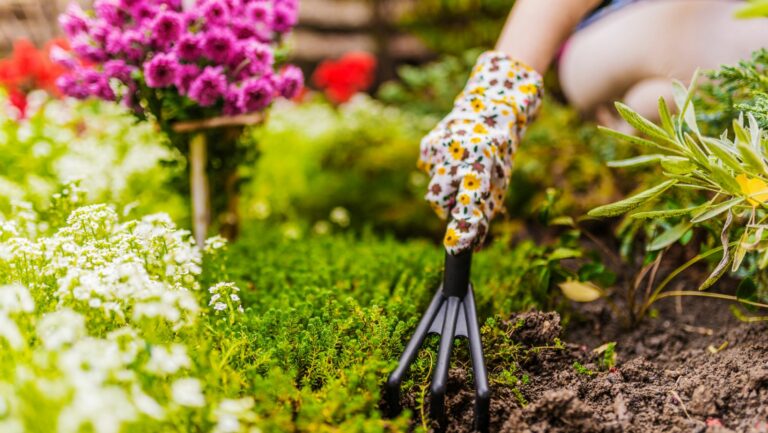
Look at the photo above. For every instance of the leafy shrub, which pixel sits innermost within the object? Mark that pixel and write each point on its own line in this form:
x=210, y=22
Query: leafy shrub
x=724, y=178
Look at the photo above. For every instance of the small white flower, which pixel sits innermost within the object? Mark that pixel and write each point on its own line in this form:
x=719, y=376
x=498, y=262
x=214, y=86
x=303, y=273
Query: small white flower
x=234, y=297
x=214, y=298
x=168, y=361
x=10, y=332
x=15, y=298
x=60, y=327
x=340, y=216
x=188, y=392
x=220, y=306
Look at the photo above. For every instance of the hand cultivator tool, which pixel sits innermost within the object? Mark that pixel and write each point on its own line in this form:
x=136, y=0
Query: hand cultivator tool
x=451, y=314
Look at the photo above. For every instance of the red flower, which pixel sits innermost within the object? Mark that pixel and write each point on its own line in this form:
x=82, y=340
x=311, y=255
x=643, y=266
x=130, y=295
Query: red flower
x=29, y=68
x=341, y=79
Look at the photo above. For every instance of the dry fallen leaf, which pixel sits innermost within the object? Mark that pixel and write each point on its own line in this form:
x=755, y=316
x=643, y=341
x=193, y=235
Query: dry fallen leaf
x=580, y=291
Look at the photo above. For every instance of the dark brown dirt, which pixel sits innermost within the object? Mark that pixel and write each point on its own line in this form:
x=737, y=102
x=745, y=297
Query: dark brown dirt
x=669, y=377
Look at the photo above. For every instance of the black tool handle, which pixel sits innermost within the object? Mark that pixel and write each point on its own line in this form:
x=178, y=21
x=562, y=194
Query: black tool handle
x=456, y=274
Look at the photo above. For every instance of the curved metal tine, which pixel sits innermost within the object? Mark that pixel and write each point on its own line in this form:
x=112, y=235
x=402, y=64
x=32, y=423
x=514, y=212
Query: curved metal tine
x=392, y=389
x=482, y=390
x=440, y=377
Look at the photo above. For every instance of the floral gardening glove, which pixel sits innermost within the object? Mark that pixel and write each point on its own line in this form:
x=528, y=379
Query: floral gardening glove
x=469, y=153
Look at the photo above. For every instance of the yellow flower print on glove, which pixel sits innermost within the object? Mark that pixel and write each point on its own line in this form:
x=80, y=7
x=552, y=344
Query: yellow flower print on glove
x=469, y=154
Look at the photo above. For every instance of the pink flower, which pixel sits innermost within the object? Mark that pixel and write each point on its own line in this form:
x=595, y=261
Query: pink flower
x=218, y=44
x=161, y=70
x=215, y=12
x=188, y=47
x=74, y=21
x=185, y=75
x=255, y=95
x=208, y=87
x=290, y=82
x=166, y=28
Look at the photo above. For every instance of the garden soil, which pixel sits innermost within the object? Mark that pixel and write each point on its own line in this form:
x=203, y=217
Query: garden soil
x=693, y=368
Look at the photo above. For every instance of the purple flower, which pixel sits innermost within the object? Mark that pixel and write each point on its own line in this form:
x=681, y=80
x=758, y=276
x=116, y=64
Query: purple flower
x=243, y=29
x=86, y=48
x=62, y=57
x=143, y=11
x=208, y=87
x=189, y=18
x=160, y=71
x=215, y=12
x=217, y=44
x=285, y=17
x=110, y=12
x=134, y=44
x=255, y=95
x=97, y=84
x=188, y=47
x=185, y=75
x=260, y=58
x=70, y=86
x=290, y=81
x=259, y=13
x=130, y=4
x=231, y=106
x=74, y=21
x=118, y=69
x=166, y=28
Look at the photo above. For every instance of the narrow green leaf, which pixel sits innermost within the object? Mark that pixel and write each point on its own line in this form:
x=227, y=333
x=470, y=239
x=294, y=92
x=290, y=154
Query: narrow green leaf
x=715, y=210
x=751, y=158
x=722, y=152
x=642, y=124
x=740, y=251
x=669, y=237
x=754, y=132
x=637, y=140
x=654, y=214
x=632, y=202
x=683, y=99
x=741, y=134
x=666, y=118
x=634, y=162
x=721, y=267
x=694, y=151
x=724, y=179
x=677, y=165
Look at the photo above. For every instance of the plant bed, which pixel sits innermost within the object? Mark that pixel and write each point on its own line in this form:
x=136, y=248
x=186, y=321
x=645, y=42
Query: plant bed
x=674, y=373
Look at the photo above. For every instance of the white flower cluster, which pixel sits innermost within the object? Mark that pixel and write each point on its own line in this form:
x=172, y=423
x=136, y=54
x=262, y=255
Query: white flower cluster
x=88, y=319
x=224, y=297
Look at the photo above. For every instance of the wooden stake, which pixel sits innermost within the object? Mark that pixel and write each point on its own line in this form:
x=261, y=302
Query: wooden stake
x=198, y=183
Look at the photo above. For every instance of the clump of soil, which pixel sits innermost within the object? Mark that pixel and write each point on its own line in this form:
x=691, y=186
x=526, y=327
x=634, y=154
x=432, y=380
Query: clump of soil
x=692, y=369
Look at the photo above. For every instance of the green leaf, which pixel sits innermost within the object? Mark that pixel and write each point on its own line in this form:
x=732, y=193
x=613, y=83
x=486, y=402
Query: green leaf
x=713, y=211
x=678, y=165
x=634, y=162
x=750, y=157
x=724, y=179
x=626, y=205
x=637, y=140
x=643, y=125
x=721, y=267
x=669, y=237
x=723, y=153
x=683, y=101
x=755, y=9
x=666, y=118
x=740, y=252
x=654, y=214
x=578, y=291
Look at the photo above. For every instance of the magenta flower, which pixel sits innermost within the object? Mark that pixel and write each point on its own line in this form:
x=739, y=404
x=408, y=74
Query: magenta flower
x=160, y=71
x=207, y=88
x=166, y=28
x=118, y=69
x=134, y=45
x=185, y=75
x=215, y=12
x=260, y=12
x=231, y=98
x=74, y=21
x=70, y=86
x=260, y=58
x=97, y=84
x=88, y=49
x=290, y=82
x=285, y=17
x=110, y=12
x=217, y=44
x=243, y=29
x=143, y=12
x=255, y=95
x=188, y=47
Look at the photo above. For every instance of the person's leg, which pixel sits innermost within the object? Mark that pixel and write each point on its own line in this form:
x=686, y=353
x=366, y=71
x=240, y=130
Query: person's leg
x=633, y=54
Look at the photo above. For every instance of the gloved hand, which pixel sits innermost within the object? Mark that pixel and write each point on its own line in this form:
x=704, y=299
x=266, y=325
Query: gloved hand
x=469, y=153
